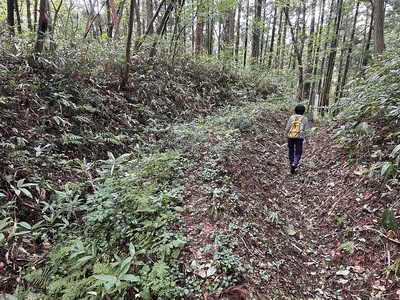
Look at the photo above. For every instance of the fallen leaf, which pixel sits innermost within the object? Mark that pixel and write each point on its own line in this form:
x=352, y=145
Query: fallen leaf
x=358, y=269
x=343, y=272
x=343, y=281
x=290, y=230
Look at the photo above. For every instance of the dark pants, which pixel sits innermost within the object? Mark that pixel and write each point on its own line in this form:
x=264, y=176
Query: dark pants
x=295, y=149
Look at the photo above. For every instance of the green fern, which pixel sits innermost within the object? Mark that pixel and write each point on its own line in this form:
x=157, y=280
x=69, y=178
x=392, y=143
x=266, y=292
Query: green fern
x=83, y=119
x=69, y=138
x=40, y=277
x=18, y=156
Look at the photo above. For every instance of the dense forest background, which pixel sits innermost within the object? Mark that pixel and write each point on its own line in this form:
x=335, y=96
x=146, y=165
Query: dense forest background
x=328, y=43
x=142, y=149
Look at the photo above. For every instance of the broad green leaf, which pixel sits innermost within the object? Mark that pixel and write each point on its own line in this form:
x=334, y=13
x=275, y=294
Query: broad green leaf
x=22, y=232
x=84, y=259
x=175, y=254
x=21, y=183
x=145, y=294
x=3, y=223
x=8, y=297
x=25, y=225
x=132, y=250
x=105, y=277
x=386, y=169
x=131, y=278
x=26, y=192
x=213, y=213
x=395, y=150
x=389, y=221
x=126, y=264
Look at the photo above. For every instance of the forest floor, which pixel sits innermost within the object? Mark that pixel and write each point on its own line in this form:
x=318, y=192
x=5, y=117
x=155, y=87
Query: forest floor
x=316, y=234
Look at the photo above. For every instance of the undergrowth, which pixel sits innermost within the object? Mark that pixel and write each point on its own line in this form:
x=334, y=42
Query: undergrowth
x=372, y=111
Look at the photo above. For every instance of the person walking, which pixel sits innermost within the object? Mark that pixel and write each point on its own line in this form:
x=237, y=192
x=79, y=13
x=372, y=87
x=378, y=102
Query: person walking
x=296, y=132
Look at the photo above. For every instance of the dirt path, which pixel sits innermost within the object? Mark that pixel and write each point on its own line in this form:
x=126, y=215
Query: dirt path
x=312, y=235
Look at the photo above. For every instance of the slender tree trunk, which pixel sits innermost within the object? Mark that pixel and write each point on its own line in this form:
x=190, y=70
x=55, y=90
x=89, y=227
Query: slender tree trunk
x=231, y=32
x=332, y=56
x=349, y=51
x=150, y=15
x=10, y=16
x=246, y=36
x=237, y=38
x=162, y=26
x=19, y=27
x=262, y=34
x=379, y=17
x=340, y=67
x=199, y=29
x=35, y=14
x=282, y=49
x=310, y=51
x=125, y=75
x=255, y=49
x=367, y=52
x=44, y=25
x=138, y=20
x=114, y=18
x=209, y=35
x=29, y=15
x=271, y=47
x=298, y=54
x=316, y=53
x=150, y=26
x=110, y=26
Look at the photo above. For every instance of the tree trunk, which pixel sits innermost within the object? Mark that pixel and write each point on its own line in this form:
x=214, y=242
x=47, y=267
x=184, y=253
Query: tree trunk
x=114, y=18
x=150, y=26
x=310, y=51
x=246, y=36
x=125, y=75
x=138, y=20
x=10, y=16
x=109, y=20
x=29, y=15
x=271, y=47
x=315, y=88
x=366, y=52
x=44, y=25
x=331, y=58
x=298, y=53
x=255, y=48
x=209, y=35
x=149, y=16
x=349, y=51
x=379, y=17
x=199, y=29
x=237, y=38
x=19, y=27
x=162, y=26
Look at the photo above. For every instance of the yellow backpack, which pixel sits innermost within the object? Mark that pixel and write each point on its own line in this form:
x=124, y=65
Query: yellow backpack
x=296, y=128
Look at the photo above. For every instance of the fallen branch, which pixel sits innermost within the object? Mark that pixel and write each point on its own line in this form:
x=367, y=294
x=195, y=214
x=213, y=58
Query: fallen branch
x=378, y=232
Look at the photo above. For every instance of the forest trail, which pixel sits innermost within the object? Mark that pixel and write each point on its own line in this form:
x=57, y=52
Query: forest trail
x=311, y=235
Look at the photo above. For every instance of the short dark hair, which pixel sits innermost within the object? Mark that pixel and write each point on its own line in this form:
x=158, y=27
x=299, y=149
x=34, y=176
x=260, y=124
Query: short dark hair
x=299, y=109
